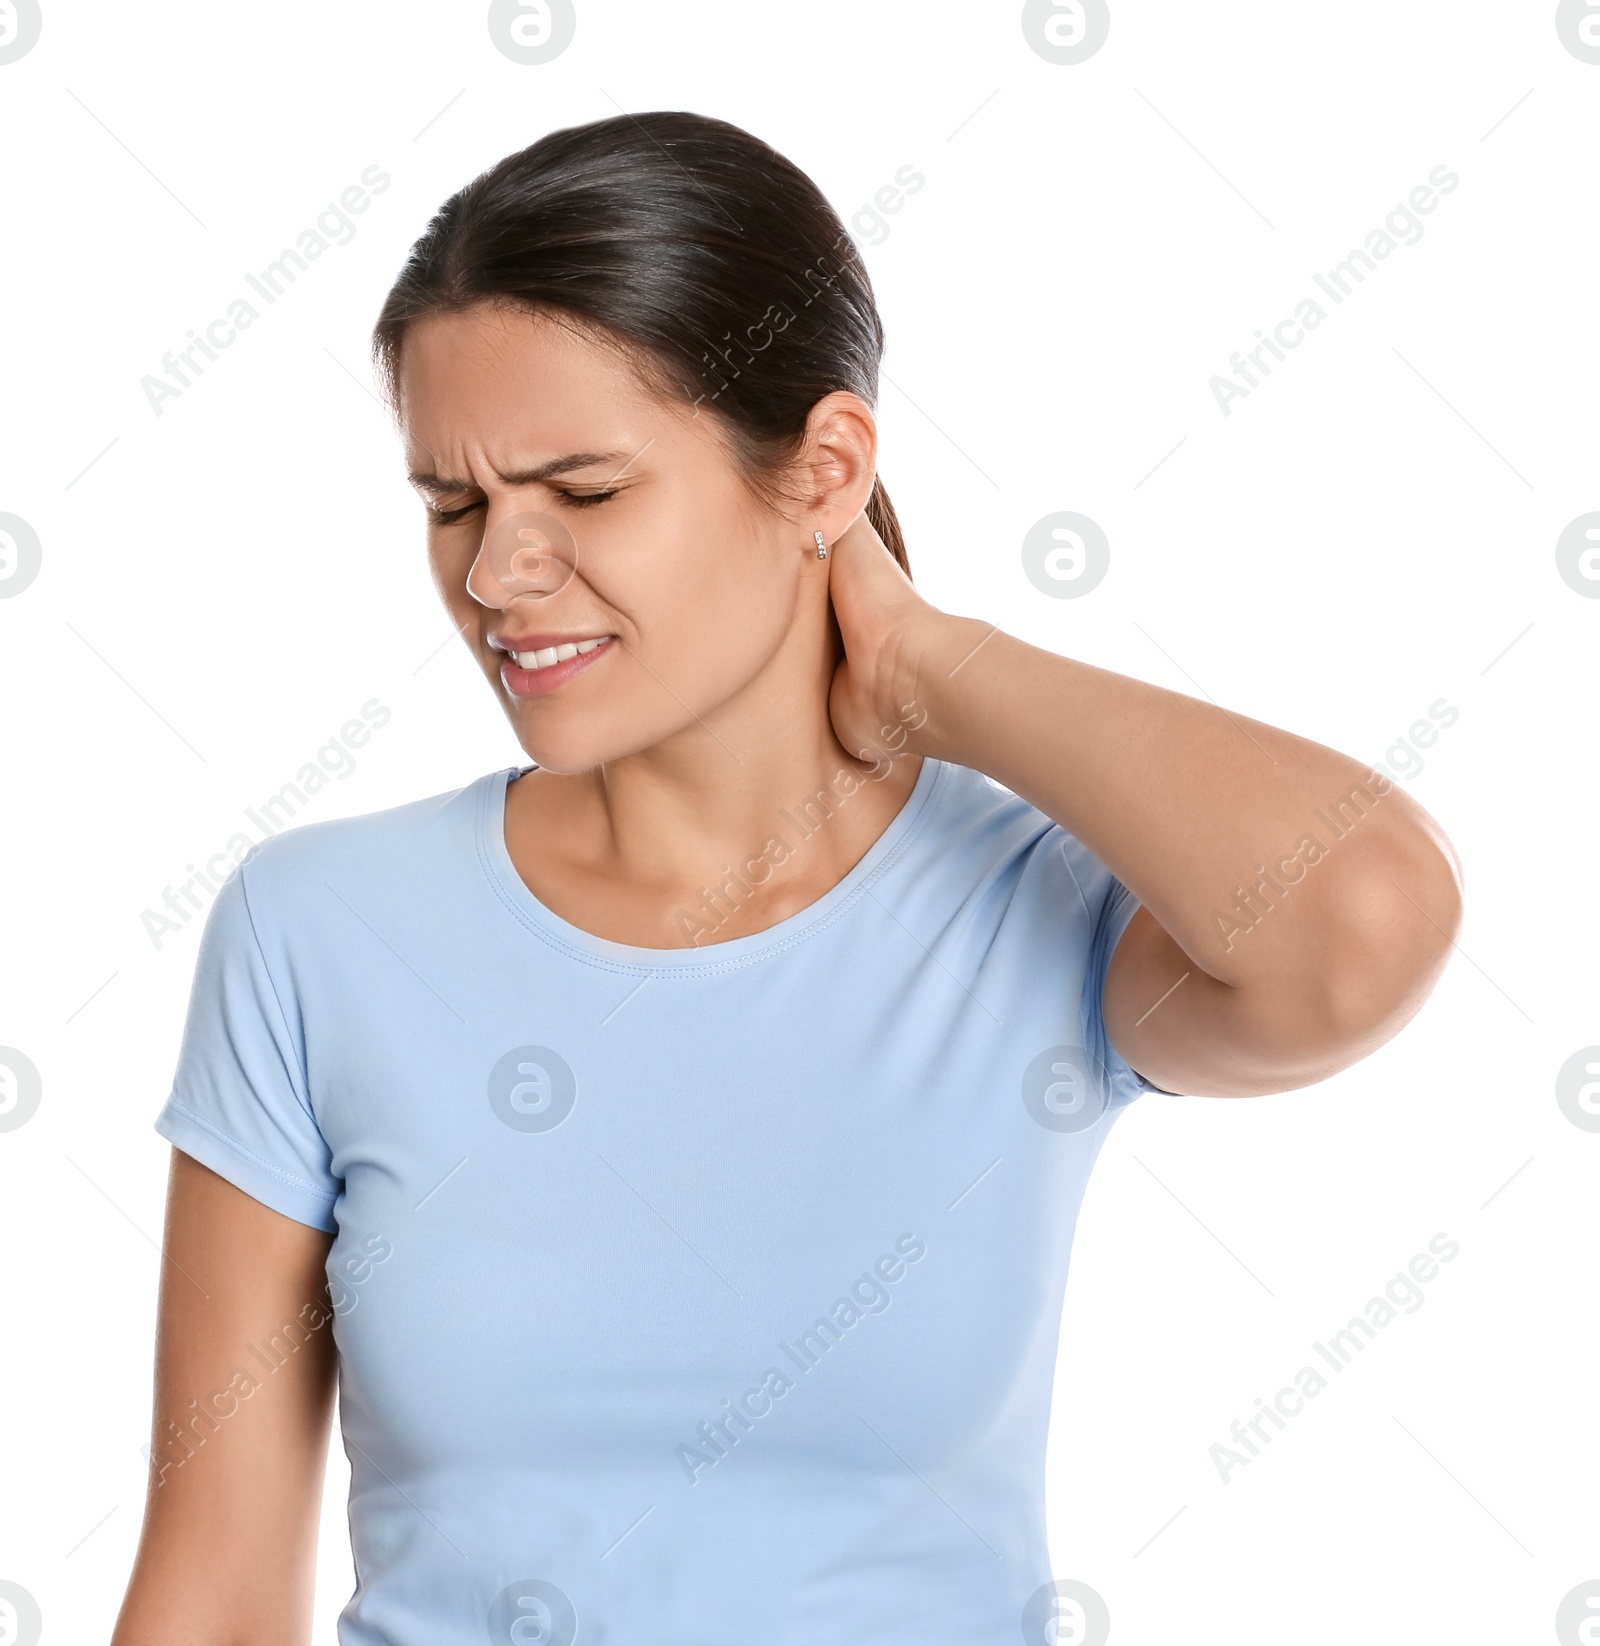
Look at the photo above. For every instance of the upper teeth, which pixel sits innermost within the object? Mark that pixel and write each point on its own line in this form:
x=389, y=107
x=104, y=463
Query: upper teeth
x=546, y=655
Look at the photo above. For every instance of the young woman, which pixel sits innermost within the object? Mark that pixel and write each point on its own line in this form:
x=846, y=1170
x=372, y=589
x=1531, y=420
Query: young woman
x=676, y=1143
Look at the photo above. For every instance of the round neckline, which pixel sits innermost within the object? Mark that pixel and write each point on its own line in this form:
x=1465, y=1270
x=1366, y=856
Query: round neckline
x=515, y=893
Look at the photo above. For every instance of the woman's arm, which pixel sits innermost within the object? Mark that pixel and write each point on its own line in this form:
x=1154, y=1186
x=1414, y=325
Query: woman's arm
x=1297, y=907
x=244, y=1390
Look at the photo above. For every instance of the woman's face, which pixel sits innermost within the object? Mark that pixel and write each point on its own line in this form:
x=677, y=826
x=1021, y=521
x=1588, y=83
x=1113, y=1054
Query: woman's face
x=569, y=507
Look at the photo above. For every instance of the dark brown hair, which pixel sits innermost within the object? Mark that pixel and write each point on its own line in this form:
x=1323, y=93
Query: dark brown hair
x=712, y=260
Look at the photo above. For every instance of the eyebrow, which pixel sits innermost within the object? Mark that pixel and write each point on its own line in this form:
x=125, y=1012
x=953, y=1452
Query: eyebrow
x=426, y=481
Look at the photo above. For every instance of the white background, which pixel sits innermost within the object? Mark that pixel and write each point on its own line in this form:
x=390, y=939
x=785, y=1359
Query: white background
x=1370, y=531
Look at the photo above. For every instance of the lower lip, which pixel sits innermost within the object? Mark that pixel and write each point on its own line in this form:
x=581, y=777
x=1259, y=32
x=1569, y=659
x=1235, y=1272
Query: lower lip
x=522, y=682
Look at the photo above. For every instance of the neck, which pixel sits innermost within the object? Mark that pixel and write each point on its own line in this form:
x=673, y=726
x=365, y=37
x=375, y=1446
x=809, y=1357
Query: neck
x=759, y=790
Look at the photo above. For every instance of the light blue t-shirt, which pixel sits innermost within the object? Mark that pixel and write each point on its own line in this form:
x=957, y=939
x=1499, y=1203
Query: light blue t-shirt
x=704, y=1296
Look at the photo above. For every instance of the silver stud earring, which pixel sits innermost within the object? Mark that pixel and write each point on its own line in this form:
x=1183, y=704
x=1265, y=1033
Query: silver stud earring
x=822, y=548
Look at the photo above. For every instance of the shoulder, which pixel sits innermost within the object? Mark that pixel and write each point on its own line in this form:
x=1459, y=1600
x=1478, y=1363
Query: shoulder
x=983, y=833
x=386, y=848
x=973, y=813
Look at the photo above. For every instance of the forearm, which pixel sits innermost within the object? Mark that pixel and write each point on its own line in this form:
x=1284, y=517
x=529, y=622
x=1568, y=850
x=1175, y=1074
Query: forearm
x=227, y=1556
x=1213, y=820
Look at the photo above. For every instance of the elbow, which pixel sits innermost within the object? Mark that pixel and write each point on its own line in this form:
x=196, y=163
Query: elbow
x=1397, y=926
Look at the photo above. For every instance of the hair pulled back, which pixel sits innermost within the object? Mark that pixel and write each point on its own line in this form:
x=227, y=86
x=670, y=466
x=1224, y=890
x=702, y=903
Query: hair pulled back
x=714, y=261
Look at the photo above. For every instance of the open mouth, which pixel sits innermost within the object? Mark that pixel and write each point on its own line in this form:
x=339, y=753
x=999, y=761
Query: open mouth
x=537, y=664
x=545, y=656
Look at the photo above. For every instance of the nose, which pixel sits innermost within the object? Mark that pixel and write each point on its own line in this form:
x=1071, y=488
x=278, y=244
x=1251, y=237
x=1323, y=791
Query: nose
x=524, y=555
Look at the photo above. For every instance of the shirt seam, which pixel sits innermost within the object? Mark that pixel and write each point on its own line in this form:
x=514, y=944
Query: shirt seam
x=710, y=968
x=273, y=1171
x=277, y=1000
x=1066, y=858
x=1109, y=1073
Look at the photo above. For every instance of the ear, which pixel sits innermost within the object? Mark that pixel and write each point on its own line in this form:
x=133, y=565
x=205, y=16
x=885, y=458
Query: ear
x=838, y=461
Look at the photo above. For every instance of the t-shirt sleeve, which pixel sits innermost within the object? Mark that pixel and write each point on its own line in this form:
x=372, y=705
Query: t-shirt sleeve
x=1112, y=905
x=239, y=1102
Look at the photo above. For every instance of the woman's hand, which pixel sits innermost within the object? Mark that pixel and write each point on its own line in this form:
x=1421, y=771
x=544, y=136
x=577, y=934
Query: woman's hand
x=886, y=626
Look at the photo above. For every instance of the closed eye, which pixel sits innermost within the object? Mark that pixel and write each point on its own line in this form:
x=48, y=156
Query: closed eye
x=579, y=500
x=448, y=517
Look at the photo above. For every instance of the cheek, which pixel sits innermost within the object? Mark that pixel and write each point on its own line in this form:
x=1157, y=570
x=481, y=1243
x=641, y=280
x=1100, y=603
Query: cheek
x=740, y=607
x=704, y=587
x=450, y=556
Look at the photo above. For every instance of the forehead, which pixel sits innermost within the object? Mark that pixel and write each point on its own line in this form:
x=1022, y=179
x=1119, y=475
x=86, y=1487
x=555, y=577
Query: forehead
x=490, y=378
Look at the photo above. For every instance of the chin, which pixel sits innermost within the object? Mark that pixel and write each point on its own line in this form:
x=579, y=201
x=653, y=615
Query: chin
x=567, y=744
x=564, y=756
